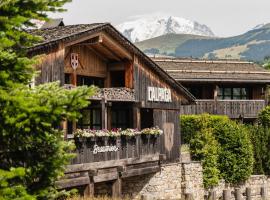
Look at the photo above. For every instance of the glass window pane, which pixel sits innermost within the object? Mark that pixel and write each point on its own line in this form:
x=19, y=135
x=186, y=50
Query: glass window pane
x=227, y=93
x=236, y=91
x=96, y=116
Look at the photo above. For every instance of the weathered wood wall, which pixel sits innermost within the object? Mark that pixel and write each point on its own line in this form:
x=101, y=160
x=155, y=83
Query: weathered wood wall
x=170, y=141
x=51, y=67
x=90, y=64
x=143, y=78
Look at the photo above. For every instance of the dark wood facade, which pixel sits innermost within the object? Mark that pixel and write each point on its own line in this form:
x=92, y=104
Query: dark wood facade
x=233, y=88
x=108, y=60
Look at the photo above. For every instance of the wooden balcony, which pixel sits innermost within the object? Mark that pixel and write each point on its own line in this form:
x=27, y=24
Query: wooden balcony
x=232, y=108
x=125, y=147
x=103, y=159
x=111, y=94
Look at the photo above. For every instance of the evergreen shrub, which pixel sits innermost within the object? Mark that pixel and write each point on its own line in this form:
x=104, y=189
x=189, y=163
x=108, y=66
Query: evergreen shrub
x=222, y=145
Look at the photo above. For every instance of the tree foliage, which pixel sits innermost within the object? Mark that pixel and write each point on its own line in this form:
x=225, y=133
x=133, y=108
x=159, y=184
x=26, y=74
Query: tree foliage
x=260, y=137
x=33, y=152
x=204, y=147
x=223, y=146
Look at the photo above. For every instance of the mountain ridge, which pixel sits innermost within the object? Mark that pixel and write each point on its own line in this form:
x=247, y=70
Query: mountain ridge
x=254, y=45
x=151, y=26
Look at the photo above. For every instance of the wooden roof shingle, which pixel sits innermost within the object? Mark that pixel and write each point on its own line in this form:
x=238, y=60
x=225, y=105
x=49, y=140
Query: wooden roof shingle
x=190, y=70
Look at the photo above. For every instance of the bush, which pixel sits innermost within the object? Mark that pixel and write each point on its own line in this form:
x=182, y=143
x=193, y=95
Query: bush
x=236, y=152
x=221, y=144
x=204, y=148
x=260, y=137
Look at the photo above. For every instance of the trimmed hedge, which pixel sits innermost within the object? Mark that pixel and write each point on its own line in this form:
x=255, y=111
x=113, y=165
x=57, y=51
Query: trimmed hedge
x=221, y=144
x=260, y=137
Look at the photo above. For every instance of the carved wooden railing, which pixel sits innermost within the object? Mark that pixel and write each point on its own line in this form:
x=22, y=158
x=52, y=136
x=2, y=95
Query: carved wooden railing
x=111, y=94
x=231, y=108
x=99, y=149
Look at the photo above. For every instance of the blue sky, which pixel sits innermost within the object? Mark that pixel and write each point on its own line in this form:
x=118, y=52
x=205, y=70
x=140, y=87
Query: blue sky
x=224, y=17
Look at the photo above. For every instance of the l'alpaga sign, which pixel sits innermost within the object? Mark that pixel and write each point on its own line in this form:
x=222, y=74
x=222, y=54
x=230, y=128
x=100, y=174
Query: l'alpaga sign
x=157, y=94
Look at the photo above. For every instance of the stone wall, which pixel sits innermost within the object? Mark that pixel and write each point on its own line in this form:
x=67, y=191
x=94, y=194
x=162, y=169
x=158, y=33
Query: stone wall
x=165, y=184
x=185, y=181
x=192, y=180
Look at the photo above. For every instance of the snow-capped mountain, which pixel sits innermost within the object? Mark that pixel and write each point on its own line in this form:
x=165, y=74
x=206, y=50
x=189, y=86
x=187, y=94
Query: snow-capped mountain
x=146, y=27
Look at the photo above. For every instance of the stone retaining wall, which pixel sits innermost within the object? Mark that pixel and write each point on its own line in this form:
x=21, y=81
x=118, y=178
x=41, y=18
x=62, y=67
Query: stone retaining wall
x=185, y=181
x=165, y=184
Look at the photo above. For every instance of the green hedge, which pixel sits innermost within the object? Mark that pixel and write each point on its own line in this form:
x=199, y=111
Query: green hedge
x=223, y=146
x=260, y=137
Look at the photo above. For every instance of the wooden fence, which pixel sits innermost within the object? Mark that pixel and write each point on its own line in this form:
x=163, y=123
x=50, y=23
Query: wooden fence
x=231, y=108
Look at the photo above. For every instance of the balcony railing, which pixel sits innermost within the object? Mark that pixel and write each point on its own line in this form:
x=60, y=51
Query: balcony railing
x=231, y=108
x=111, y=94
x=100, y=149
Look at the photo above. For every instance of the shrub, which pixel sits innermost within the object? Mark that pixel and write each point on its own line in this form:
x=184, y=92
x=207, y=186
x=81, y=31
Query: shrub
x=260, y=137
x=221, y=144
x=204, y=148
x=236, y=152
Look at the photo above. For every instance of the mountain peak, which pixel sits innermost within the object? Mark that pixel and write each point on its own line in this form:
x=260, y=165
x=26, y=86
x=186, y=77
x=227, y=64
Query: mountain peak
x=150, y=26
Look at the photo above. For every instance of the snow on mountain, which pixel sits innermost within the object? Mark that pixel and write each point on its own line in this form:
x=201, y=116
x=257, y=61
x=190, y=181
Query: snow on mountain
x=259, y=26
x=146, y=27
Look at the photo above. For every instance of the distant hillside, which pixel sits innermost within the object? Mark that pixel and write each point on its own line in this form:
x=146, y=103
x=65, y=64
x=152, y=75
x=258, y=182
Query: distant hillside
x=253, y=45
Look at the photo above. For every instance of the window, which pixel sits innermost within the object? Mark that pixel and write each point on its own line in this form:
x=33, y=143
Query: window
x=233, y=93
x=86, y=80
x=67, y=79
x=91, y=119
x=121, y=118
x=118, y=79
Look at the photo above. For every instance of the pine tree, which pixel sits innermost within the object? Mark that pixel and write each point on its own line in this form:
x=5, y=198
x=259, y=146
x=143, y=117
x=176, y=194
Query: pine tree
x=33, y=152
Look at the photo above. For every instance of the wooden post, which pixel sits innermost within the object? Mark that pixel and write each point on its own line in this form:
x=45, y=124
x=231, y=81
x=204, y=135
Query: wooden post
x=226, y=194
x=248, y=193
x=188, y=196
x=89, y=190
x=117, y=188
x=104, y=114
x=136, y=118
x=74, y=78
x=238, y=195
x=215, y=98
x=264, y=193
x=212, y=195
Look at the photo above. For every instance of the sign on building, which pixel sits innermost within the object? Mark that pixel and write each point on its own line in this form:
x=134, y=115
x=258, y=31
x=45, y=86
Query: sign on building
x=157, y=94
x=74, y=60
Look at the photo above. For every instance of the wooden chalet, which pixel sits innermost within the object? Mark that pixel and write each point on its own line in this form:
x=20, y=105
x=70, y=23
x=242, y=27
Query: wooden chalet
x=134, y=93
x=222, y=87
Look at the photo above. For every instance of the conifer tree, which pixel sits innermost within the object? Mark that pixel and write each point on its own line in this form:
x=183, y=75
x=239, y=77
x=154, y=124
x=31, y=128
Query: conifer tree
x=33, y=152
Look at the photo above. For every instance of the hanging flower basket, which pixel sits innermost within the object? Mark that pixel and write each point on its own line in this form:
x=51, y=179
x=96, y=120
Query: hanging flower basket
x=89, y=133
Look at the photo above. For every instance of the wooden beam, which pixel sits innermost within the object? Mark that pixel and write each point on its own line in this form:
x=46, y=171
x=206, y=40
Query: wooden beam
x=89, y=190
x=69, y=183
x=104, y=118
x=81, y=39
x=117, y=188
x=109, y=40
x=111, y=51
x=111, y=163
x=105, y=177
x=141, y=171
x=129, y=80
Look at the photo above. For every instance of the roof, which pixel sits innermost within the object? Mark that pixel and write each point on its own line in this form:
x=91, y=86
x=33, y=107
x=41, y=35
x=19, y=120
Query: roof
x=191, y=70
x=53, y=23
x=52, y=36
